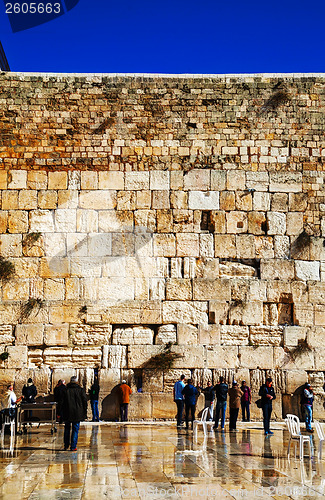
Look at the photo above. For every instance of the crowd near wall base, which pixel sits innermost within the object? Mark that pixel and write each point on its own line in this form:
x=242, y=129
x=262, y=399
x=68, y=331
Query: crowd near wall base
x=148, y=219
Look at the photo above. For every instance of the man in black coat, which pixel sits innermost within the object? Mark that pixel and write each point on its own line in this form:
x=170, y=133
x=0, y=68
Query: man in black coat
x=74, y=409
x=267, y=394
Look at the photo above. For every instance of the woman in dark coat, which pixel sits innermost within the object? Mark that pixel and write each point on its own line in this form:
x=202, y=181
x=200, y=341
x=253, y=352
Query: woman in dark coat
x=74, y=409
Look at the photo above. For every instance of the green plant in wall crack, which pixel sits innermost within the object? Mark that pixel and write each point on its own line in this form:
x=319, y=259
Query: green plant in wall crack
x=4, y=355
x=164, y=360
x=302, y=348
x=7, y=270
x=31, y=238
x=31, y=305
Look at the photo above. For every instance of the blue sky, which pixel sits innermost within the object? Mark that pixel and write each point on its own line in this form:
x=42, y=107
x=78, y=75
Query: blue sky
x=173, y=36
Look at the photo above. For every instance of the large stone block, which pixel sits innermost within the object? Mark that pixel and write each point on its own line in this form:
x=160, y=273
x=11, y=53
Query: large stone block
x=277, y=269
x=246, y=313
x=56, y=335
x=6, y=334
x=140, y=406
x=276, y=223
x=307, y=271
x=254, y=356
x=285, y=182
x=293, y=334
x=203, y=200
x=166, y=334
x=87, y=356
x=315, y=336
x=209, y=335
x=81, y=334
x=29, y=334
x=114, y=356
x=185, y=312
x=57, y=357
x=178, y=289
x=225, y=246
x=133, y=335
x=294, y=358
x=222, y=357
x=17, y=356
x=211, y=289
x=139, y=356
x=97, y=200
x=266, y=335
x=303, y=315
x=294, y=380
x=152, y=381
x=187, y=334
x=234, y=335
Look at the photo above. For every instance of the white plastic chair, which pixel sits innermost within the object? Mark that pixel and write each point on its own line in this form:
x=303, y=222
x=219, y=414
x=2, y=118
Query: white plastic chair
x=204, y=422
x=321, y=437
x=8, y=419
x=293, y=425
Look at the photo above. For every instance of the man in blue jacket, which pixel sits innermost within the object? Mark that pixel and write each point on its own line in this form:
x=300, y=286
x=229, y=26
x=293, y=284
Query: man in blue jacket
x=221, y=391
x=179, y=399
x=190, y=392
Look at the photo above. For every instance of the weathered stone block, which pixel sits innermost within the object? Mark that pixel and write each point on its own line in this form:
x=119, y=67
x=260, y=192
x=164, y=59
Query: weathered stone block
x=285, y=182
x=57, y=357
x=264, y=247
x=227, y=202
x=307, y=271
x=294, y=358
x=266, y=335
x=245, y=245
x=292, y=335
x=315, y=337
x=97, y=200
x=187, y=334
x=133, y=335
x=222, y=357
x=136, y=180
x=197, y=180
x=187, y=244
x=237, y=222
x=303, y=314
x=138, y=356
x=90, y=334
x=234, y=335
x=184, y=312
x=276, y=223
x=171, y=376
x=279, y=202
x=140, y=407
x=256, y=222
x=258, y=181
x=6, y=334
x=178, y=289
x=218, y=312
x=260, y=356
x=295, y=223
x=17, y=356
x=111, y=180
x=209, y=335
x=203, y=200
x=29, y=334
x=152, y=381
x=56, y=335
x=166, y=334
x=114, y=356
x=87, y=356
x=10, y=245
x=294, y=380
x=225, y=246
x=277, y=269
x=207, y=289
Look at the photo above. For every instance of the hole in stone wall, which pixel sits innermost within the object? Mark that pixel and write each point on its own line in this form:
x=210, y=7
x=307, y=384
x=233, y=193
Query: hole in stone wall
x=285, y=312
x=207, y=223
x=138, y=376
x=240, y=225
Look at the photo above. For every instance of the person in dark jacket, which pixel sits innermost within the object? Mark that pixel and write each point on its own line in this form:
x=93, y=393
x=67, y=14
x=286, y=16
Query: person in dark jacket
x=93, y=396
x=58, y=392
x=74, y=409
x=209, y=397
x=267, y=394
x=307, y=400
x=189, y=392
x=29, y=392
x=221, y=391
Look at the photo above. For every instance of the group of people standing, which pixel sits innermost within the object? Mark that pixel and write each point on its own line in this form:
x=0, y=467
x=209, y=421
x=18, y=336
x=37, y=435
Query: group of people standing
x=238, y=397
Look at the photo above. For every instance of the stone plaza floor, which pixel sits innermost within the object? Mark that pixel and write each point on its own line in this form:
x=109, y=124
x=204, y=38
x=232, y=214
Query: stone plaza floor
x=155, y=461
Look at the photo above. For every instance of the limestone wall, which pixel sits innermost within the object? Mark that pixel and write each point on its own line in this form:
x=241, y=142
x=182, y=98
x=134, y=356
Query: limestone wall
x=141, y=211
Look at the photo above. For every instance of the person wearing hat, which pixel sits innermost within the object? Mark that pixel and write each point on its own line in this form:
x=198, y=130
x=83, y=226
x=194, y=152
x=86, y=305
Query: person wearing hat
x=29, y=394
x=74, y=409
x=235, y=395
x=307, y=405
x=246, y=400
x=124, y=392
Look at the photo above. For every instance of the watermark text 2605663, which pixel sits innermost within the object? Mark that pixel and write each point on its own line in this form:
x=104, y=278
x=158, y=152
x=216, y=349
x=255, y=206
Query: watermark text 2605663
x=33, y=8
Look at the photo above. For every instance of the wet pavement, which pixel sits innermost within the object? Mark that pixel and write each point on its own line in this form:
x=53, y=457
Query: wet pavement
x=155, y=461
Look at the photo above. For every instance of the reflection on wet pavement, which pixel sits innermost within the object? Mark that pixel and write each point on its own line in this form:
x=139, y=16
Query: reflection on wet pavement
x=157, y=461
